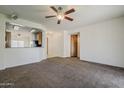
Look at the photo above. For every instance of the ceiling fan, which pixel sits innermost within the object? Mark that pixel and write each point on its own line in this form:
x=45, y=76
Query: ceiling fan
x=60, y=14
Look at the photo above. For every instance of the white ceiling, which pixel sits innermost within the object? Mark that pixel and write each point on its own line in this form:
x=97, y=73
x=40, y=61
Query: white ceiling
x=84, y=15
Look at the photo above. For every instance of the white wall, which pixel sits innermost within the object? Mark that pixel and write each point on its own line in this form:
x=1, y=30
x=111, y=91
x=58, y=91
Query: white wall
x=55, y=43
x=67, y=43
x=102, y=42
x=18, y=56
x=21, y=56
x=1, y=59
x=2, y=41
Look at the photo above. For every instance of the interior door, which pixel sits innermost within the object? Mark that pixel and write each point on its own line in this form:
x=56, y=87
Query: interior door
x=74, y=45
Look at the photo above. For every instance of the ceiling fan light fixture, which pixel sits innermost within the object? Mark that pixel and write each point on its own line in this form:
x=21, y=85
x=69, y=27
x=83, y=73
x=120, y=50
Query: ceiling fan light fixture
x=61, y=14
x=60, y=17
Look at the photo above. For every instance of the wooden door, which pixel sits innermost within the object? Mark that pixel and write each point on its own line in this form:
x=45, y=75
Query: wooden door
x=74, y=45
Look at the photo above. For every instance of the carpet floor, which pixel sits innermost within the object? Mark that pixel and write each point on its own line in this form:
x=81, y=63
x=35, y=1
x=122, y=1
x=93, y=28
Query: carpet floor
x=62, y=73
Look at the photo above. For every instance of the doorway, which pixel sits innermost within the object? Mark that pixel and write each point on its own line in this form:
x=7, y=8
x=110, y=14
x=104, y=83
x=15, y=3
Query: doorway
x=75, y=45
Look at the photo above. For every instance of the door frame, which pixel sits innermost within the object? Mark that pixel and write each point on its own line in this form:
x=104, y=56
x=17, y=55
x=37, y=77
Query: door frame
x=78, y=43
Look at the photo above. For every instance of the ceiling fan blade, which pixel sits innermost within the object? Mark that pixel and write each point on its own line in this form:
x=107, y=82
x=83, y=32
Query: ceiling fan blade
x=69, y=11
x=69, y=18
x=50, y=16
x=54, y=9
x=58, y=21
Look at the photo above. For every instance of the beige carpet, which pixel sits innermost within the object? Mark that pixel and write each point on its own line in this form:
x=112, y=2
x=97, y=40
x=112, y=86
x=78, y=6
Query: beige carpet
x=62, y=72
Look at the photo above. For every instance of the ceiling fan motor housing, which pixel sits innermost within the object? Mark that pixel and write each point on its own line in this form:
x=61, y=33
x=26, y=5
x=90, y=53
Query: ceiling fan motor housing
x=59, y=8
